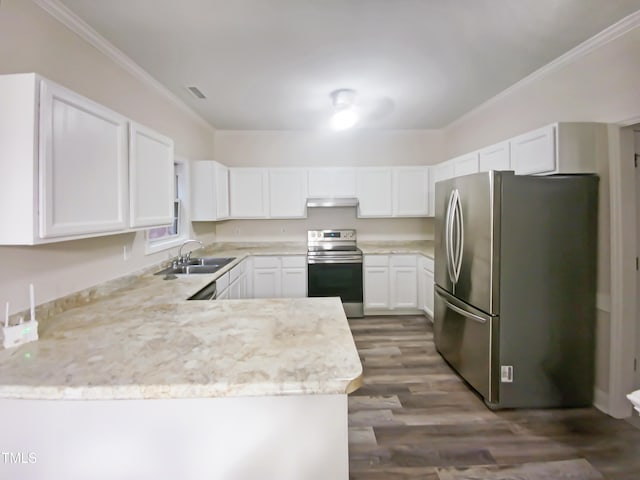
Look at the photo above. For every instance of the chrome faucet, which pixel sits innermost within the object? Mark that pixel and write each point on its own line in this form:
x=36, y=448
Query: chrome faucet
x=184, y=259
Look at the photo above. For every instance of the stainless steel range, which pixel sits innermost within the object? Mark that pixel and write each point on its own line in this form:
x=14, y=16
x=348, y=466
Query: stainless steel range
x=334, y=268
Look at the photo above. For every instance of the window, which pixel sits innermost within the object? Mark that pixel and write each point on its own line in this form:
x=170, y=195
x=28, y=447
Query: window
x=162, y=238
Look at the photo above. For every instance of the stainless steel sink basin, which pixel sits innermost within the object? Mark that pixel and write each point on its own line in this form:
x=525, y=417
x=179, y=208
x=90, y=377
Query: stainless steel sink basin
x=198, y=265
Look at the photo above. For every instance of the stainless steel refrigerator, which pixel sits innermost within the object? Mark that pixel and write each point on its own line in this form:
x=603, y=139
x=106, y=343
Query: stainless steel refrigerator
x=515, y=274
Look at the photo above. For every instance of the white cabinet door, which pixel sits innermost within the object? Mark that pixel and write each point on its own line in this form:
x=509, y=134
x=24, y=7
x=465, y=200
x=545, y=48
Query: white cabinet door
x=332, y=182
x=83, y=165
x=209, y=191
x=534, y=152
x=376, y=288
x=248, y=191
x=221, y=176
x=266, y=282
x=374, y=192
x=411, y=191
x=287, y=192
x=152, y=180
x=495, y=157
x=441, y=171
x=404, y=281
x=294, y=282
x=376, y=282
x=465, y=164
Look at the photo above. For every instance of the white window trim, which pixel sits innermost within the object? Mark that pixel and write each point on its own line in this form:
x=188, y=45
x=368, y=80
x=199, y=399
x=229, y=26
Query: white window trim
x=183, y=216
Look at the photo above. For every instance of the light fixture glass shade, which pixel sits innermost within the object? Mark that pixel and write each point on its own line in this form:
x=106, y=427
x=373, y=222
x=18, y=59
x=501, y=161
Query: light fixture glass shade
x=345, y=115
x=343, y=119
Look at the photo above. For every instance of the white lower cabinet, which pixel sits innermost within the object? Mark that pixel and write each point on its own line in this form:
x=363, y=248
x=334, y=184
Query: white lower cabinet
x=275, y=277
x=425, y=285
x=390, y=283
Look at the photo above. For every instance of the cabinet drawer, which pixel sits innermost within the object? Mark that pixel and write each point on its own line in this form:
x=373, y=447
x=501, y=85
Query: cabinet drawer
x=222, y=283
x=266, y=262
x=376, y=260
x=403, y=261
x=294, y=261
x=426, y=263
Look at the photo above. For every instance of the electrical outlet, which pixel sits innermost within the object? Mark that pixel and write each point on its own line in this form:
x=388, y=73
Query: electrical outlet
x=126, y=253
x=237, y=231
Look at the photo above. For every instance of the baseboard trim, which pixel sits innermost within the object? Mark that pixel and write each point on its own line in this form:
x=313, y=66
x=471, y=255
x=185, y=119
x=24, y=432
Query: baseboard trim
x=601, y=400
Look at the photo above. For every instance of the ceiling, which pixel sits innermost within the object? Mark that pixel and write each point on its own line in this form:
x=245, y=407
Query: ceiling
x=416, y=64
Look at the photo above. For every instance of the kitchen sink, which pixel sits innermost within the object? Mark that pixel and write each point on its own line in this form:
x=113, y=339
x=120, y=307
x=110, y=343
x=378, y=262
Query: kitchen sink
x=198, y=265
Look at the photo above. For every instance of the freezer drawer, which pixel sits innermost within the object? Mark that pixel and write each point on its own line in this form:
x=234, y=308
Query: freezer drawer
x=467, y=339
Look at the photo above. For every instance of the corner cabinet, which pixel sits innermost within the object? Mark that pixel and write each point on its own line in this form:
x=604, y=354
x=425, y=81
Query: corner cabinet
x=209, y=191
x=151, y=178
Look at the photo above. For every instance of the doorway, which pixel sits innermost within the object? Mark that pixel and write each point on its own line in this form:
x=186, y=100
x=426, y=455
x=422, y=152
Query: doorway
x=636, y=135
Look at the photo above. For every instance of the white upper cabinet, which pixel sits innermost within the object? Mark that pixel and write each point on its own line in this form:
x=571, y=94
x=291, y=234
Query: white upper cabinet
x=64, y=160
x=83, y=165
x=411, y=191
x=287, y=192
x=332, y=182
x=495, y=157
x=439, y=172
x=465, y=164
x=209, y=191
x=374, y=192
x=151, y=177
x=534, y=152
x=249, y=192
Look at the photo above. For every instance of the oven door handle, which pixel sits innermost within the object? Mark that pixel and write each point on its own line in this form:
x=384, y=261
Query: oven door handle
x=316, y=261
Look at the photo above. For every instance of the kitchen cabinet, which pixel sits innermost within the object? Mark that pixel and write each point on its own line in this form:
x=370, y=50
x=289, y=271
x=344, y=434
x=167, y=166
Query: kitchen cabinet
x=376, y=282
x=332, y=182
x=267, y=281
x=287, y=192
x=425, y=285
x=410, y=191
x=495, y=157
x=465, y=164
x=404, y=282
x=238, y=281
x=249, y=192
x=209, y=191
x=284, y=276
x=534, y=152
x=390, y=283
x=294, y=276
x=374, y=191
x=152, y=180
x=566, y=147
x=50, y=137
x=439, y=172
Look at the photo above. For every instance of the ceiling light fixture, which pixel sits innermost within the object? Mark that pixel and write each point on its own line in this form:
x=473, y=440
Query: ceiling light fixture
x=345, y=115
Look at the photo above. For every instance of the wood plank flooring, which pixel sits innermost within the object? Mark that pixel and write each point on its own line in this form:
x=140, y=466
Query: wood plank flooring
x=414, y=418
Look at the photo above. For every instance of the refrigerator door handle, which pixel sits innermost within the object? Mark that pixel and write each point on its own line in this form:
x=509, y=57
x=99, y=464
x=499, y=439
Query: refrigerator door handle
x=448, y=238
x=459, y=236
x=460, y=310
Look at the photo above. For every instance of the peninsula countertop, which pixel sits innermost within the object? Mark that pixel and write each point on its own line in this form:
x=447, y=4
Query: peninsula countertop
x=145, y=340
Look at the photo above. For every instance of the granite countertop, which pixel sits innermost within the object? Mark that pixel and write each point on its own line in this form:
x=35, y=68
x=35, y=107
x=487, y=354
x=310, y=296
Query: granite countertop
x=147, y=341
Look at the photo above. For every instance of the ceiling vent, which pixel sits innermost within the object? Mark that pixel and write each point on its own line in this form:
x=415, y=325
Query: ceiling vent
x=195, y=91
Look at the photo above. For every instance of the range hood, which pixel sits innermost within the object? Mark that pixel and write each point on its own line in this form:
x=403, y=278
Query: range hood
x=332, y=202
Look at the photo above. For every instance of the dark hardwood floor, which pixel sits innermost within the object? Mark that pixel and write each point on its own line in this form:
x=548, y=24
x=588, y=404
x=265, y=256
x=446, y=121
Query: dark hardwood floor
x=414, y=418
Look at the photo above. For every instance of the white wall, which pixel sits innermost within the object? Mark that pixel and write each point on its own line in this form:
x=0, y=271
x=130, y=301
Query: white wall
x=601, y=85
x=328, y=148
x=33, y=41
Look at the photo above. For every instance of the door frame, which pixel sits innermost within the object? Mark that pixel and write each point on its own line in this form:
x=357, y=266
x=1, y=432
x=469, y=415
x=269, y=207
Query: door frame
x=624, y=308
x=636, y=135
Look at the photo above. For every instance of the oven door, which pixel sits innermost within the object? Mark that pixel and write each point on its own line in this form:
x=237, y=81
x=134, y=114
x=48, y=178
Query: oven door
x=342, y=280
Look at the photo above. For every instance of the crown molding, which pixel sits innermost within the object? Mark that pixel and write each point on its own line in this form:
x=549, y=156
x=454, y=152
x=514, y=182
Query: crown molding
x=607, y=35
x=69, y=19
